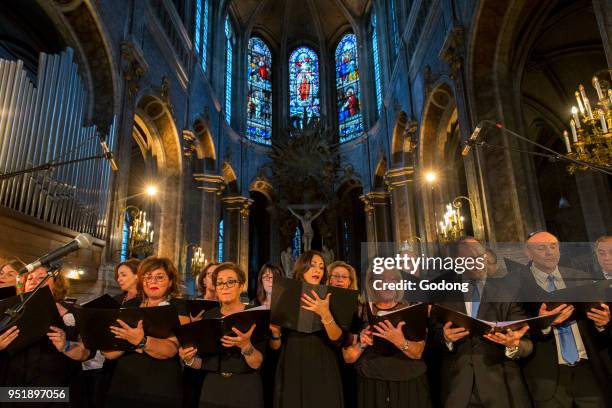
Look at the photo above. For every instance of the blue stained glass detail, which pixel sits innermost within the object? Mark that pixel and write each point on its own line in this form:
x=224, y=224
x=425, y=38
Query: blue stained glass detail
x=200, y=35
x=394, y=29
x=220, y=242
x=228, y=70
x=376, y=57
x=350, y=123
x=296, y=243
x=304, y=83
x=259, y=96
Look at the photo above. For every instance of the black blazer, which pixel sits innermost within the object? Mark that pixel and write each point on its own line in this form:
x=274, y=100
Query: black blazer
x=477, y=360
x=541, y=368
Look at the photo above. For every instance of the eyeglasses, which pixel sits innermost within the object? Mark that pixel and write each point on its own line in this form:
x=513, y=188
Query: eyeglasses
x=229, y=284
x=340, y=277
x=154, y=278
x=267, y=277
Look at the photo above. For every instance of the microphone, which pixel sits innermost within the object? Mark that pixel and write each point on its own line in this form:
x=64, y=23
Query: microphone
x=470, y=142
x=82, y=241
x=109, y=155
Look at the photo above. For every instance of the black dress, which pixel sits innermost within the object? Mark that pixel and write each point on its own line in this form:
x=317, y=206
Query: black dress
x=140, y=380
x=40, y=365
x=307, y=375
x=268, y=368
x=230, y=382
x=391, y=380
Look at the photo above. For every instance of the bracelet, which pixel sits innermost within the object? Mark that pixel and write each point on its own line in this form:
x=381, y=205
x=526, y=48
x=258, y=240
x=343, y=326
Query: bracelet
x=190, y=363
x=142, y=343
x=67, y=346
x=275, y=337
x=405, y=346
x=330, y=321
x=248, y=351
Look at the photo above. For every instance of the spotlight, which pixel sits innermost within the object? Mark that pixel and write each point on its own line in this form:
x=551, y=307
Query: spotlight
x=151, y=190
x=430, y=177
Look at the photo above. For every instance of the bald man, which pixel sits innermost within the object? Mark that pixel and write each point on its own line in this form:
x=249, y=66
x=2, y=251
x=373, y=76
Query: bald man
x=564, y=370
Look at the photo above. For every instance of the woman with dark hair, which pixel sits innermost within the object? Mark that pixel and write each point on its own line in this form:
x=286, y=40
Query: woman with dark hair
x=50, y=362
x=307, y=374
x=265, y=278
x=127, y=278
x=205, y=283
x=151, y=374
x=232, y=379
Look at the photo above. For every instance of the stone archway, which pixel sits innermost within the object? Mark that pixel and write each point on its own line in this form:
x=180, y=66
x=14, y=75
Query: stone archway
x=402, y=143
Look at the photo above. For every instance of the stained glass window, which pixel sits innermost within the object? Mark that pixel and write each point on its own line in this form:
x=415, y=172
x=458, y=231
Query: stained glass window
x=394, y=29
x=229, y=49
x=200, y=36
x=376, y=57
x=304, y=83
x=296, y=243
x=259, y=93
x=220, y=242
x=350, y=123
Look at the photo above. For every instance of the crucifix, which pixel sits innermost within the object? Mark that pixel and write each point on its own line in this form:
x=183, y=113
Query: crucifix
x=306, y=219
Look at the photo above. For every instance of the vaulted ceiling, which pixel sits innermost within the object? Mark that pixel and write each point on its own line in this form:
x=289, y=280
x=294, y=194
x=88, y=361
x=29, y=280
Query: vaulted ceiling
x=287, y=22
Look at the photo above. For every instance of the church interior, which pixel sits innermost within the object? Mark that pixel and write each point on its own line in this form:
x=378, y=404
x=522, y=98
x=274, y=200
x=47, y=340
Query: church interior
x=251, y=130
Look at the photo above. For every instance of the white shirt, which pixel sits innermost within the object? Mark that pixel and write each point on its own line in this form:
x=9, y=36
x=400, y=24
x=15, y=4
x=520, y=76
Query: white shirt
x=542, y=281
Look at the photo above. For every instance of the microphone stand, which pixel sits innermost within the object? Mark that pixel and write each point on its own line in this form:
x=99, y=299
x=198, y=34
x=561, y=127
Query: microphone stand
x=50, y=166
x=11, y=313
x=553, y=155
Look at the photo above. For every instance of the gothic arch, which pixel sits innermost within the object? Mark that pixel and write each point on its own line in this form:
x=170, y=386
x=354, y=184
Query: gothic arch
x=155, y=131
x=401, y=143
x=264, y=187
x=378, y=184
x=229, y=176
x=205, y=146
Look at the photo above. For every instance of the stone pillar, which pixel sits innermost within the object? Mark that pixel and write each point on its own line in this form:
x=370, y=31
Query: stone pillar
x=595, y=199
x=378, y=219
x=401, y=186
x=211, y=186
x=236, y=230
x=603, y=14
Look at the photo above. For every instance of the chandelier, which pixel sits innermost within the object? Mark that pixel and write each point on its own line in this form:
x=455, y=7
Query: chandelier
x=140, y=233
x=591, y=126
x=452, y=227
x=198, y=260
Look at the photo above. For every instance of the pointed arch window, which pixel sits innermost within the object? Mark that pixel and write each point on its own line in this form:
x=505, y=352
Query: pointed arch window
x=394, y=28
x=220, y=242
x=259, y=93
x=229, y=49
x=296, y=243
x=304, y=83
x=376, y=56
x=200, y=35
x=350, y=123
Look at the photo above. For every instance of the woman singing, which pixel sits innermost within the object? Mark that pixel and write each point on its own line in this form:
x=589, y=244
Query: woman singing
x=232, y=379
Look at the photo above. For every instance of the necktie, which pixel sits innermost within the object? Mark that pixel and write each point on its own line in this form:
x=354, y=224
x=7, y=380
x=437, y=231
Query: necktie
x=475, y=299
x=569, y=350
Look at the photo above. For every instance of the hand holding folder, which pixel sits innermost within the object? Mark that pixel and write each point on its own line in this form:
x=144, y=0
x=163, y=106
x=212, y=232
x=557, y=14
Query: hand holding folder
x=94, y=325
x=411, y=319
x=478, y=327
x=34, y=320
x=209, y=335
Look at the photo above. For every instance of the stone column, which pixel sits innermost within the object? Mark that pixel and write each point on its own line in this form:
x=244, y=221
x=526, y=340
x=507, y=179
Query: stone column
x=595, y=199
x=212, y=186
x=236, y=230
x=378, y=219
x=603, y=14
x=401, y=186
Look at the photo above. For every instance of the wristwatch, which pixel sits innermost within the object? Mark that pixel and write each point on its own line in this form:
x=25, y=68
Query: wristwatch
x=248, y=351
x=142, y=343
x=405, y=346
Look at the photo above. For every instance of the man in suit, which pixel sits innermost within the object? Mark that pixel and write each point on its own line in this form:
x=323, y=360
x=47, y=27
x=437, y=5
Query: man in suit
x=603, y=254
x=564, y=369
x=481, y=371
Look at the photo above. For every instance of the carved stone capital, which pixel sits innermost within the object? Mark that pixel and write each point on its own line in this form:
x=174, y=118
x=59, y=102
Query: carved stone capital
x=374, y=199
x=237, y=203
x=396, y=178
x=134, y=65
x=211, y=183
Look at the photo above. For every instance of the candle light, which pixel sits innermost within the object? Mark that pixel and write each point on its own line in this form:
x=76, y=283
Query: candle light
x=600, y=94
x=567, y=142
x=610, y=95
x=576, y=119
x=602, y=119
x=579, y=100
x=574, y=135
x=587, y=104
x=151, y=239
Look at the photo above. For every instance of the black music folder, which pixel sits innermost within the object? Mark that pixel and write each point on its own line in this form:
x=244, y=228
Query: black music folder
x=102, y=302
x=7, y=292
x=206, y=334
x=94, y=324
x=34, y=320
x=415, y=329
x=478, y=327
x=286, y=310
x=583, y=297
x=193, y=307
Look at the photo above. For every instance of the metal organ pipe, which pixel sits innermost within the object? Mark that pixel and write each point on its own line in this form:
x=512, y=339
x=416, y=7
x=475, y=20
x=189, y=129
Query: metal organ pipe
x=44, y=123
